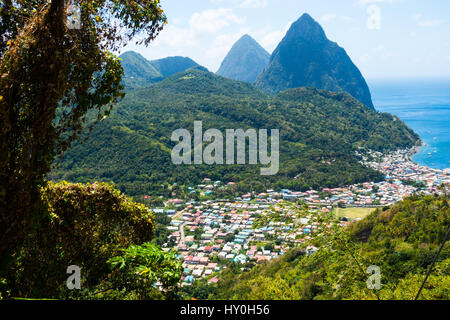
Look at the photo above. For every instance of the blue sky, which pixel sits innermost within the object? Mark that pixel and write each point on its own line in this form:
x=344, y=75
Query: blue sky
x=385, y=38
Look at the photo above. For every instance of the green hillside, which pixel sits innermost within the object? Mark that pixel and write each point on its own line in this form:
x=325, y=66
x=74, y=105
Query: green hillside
x=319, y=133
x=402, y=241
x=171, y=65
x=140, y=72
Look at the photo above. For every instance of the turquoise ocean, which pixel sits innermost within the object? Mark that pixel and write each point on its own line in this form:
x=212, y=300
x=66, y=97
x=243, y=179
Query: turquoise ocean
x=424, y=105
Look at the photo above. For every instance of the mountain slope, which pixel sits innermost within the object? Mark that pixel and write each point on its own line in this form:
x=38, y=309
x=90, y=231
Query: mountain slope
x=171, y=65
x=140, y=72
x=200, y=82
x=306, y=58
x=319, y=132
x=245, y=61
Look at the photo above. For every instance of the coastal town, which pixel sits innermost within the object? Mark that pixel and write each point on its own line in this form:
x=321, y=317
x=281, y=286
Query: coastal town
x=211, y=234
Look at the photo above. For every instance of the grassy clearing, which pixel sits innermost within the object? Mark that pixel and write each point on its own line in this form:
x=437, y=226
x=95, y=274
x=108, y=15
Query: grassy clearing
x=353, y=213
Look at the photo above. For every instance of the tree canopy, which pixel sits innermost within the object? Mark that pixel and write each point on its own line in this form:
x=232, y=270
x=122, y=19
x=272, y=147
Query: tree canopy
x=51, y=74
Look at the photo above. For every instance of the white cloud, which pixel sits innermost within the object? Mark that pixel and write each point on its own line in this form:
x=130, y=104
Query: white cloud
x=379, y=48
x=364, y=59
x=382, y=53
x=346, y=18
x=416, y=16
x=378, y=54
x=374, y=19
x=177, y=21
x=270, y=40
x=328, y=17
x=431, y=23
x=364, y=3
x=222, y=45
x=175, y=37
x=186, y=41
x=208, y=21
x=211, y=21
x=254, y=4
x=333, y=16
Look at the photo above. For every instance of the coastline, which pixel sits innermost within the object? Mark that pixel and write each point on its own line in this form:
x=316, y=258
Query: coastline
x=424, y=106
x=416, y=150
x=419, y=153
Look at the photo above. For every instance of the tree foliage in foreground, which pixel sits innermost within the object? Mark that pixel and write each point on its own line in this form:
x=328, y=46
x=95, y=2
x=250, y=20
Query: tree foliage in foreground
x=138, y=271
x=83, y=225
x=50, y=76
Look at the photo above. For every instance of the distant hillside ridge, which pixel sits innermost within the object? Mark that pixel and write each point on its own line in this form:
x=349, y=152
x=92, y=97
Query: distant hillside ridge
x=172, y=65
x=140, y=72
x=320, y=133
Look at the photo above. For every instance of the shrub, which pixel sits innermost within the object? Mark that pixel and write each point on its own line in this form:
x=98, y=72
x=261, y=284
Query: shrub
x=83, y=225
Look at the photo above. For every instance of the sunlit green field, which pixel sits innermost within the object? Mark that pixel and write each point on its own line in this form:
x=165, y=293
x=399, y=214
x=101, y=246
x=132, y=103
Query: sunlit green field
x=353, y=213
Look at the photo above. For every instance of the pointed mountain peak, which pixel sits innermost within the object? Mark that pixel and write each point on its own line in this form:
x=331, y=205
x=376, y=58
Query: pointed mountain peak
x=306, y=18
x=306, y=58
x=308, y=29
x=245, y=61
x=131, y=54
x=246, y=38
x=247, y=42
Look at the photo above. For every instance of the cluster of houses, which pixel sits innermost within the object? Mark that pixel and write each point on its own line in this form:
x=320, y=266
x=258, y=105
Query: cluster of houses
x=208, y=186
x=398, y=170
x=398, y=166
x=211, y=234
x=368, y=194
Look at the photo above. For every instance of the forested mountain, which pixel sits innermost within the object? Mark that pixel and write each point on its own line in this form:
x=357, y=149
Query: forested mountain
x=171, y=65
x=306, y=58
x=140, y=72
x=245, y=61
x=402, y=241
x=319, y=133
